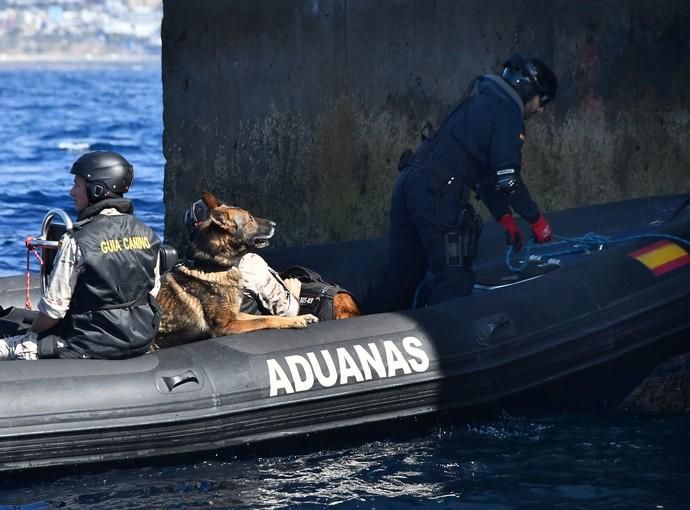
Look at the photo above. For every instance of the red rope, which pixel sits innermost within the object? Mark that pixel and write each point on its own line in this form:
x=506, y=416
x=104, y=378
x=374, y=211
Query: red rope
x=29, y=250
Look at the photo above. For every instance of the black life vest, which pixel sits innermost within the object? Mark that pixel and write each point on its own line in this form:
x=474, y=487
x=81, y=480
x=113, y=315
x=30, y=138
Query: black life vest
x=111, y=314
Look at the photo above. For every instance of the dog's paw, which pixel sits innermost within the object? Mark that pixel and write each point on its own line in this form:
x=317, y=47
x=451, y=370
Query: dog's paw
x=311, y=319
x=302, y=321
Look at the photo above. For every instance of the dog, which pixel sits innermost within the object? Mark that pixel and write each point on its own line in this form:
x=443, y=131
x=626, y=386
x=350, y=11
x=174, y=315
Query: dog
x=201, y=297
x=316, y=296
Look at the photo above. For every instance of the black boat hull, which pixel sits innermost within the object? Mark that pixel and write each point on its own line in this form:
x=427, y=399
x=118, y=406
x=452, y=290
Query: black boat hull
x=583, y=334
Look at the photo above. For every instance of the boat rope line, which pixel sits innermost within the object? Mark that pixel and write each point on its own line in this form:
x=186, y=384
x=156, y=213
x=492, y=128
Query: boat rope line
x=29, y=250
x=588, y=243
x=585, y=244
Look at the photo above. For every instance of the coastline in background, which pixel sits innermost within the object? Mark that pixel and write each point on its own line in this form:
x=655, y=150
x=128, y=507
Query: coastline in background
x=80, y=30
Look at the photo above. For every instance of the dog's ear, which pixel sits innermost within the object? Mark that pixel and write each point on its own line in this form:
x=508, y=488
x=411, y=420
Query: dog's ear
x=209, y=199
x=222, y=219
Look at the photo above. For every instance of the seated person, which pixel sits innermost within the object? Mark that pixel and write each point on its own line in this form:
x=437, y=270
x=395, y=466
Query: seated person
x=100, y=300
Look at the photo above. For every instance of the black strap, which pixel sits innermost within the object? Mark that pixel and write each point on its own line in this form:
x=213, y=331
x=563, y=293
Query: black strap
x=428, y=128
x=128, y=304
x=303, y=274
x=430, y=136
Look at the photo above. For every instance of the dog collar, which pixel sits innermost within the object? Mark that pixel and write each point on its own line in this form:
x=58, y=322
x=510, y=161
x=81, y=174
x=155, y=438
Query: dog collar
x=206, y=265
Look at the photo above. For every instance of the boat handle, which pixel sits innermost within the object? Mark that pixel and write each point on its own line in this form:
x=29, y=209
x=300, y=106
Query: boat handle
x=173, y=381
x=44, y=243
x=492, y=326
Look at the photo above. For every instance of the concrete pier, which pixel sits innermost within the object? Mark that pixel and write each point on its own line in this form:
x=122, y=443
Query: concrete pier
x=298, y=110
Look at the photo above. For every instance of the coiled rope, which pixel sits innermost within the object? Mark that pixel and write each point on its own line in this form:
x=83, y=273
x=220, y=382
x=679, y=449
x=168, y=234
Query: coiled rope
x=585, y=244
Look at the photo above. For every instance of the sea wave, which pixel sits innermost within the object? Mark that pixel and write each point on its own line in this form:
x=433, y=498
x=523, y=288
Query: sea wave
x=74, y=146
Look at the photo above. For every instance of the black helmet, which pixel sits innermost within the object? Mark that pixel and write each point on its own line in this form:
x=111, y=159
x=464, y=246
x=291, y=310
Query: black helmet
x=530, y=77
x=107, y=174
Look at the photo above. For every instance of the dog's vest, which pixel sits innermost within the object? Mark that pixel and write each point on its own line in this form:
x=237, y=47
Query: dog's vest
x=316, y=296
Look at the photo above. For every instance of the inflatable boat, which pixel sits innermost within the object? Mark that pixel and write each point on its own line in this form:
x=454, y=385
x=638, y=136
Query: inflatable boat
x=576, y=322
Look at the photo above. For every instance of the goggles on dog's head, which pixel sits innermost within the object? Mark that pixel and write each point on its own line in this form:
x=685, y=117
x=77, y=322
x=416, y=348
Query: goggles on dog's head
x=195, y=215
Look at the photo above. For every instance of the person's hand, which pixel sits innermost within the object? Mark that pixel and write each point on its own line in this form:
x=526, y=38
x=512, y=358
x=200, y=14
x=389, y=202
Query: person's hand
x=293, y=285
x=514, y=235
x=542, y=230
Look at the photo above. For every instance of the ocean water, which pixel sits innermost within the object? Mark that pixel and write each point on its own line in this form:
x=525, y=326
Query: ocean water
x=583, y=461
x=51, y=117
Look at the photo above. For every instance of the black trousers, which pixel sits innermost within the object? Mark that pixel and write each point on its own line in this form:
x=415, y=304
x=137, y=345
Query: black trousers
x=421, y=218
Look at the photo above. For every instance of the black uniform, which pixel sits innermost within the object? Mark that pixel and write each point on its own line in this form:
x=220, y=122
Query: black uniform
x=112, y=314
x=432, y=225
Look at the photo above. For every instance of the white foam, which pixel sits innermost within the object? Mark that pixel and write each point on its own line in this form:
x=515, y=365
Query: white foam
x=73, y=146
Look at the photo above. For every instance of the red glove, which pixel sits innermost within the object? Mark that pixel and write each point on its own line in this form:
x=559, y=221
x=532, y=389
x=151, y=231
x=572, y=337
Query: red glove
x=541, y=230
x=514, y=235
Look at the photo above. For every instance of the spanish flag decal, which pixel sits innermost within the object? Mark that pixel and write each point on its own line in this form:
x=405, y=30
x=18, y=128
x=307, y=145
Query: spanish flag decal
x=662, y=257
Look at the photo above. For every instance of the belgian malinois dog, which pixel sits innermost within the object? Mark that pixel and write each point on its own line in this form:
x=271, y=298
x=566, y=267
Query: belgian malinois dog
x=201, y=297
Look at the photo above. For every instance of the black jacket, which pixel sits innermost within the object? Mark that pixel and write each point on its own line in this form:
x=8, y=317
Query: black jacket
x=482, y=135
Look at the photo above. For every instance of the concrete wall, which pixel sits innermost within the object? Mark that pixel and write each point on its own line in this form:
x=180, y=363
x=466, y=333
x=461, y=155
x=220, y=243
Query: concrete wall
x=298, y=109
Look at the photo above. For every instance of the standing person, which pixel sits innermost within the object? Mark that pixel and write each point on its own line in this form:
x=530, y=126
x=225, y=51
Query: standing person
x=477, y=148
x=100, y=300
